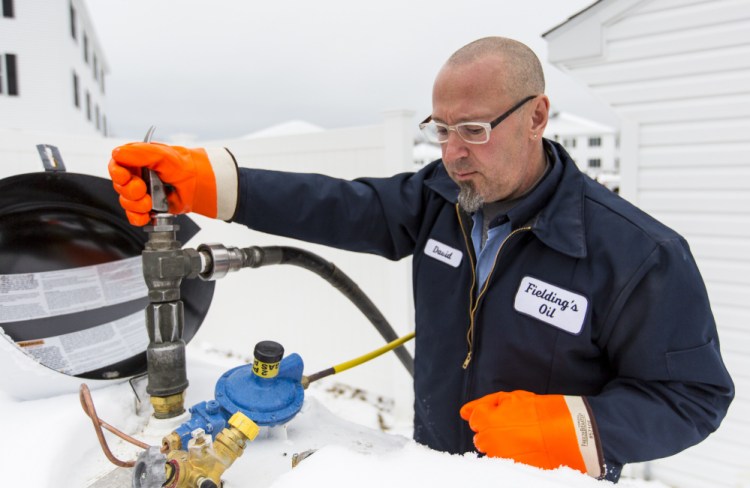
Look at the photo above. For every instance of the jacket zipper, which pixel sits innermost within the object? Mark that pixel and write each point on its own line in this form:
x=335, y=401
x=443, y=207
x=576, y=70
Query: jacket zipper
x=470, y=251
x=473, y=305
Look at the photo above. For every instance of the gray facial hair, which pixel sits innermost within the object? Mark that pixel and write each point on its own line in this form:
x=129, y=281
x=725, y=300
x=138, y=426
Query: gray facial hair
x=468, y=199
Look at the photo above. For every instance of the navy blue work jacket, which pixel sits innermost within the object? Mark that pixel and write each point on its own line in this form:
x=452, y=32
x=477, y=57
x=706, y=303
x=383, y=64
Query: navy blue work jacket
x=588, y=296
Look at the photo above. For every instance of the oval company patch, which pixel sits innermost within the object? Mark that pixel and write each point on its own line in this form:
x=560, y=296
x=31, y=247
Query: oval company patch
x=556, y=306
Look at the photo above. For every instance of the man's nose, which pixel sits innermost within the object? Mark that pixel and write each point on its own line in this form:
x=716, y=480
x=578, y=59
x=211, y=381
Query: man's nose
x=454, y=148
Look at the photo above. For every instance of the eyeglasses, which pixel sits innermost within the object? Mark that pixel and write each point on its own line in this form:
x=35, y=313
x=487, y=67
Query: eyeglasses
x=471, y=132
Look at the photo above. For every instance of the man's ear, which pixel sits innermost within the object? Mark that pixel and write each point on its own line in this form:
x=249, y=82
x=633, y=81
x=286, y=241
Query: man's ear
x=540, y=114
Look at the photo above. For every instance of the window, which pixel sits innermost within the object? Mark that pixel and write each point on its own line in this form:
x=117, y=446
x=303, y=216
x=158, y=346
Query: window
x=73, y=26
x=595, y=163
x=76, y=91
x=569, y=142
x=11, y=75
x=101, y=80
x=88, y=105
x=86, y=48
x=595, y=141
x=98, y=119
x=8, y=9
x=104, y=125
x=96, y=68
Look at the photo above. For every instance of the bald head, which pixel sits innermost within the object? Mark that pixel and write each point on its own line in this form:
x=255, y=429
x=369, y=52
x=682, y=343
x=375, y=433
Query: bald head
x=522, y=72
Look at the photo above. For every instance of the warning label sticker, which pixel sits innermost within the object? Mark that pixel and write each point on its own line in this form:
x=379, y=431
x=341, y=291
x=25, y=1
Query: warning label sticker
x=32, y=296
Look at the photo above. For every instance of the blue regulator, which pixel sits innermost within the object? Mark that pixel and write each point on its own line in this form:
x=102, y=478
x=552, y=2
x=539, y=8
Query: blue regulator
x=269, y=392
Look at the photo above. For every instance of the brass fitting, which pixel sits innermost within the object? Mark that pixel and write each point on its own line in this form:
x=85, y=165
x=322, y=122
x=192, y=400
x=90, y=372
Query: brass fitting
x=202, y=465
x=168, y=406
x=171, y=442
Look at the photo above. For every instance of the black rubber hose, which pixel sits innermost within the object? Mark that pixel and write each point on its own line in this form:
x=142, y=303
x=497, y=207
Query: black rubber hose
x=256, y=257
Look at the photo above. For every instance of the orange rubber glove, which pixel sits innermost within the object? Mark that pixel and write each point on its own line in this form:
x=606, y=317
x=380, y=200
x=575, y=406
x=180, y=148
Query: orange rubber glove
x=190, y=173
x=546, y=431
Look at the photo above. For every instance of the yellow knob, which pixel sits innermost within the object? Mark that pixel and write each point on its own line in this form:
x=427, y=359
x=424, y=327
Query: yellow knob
x=244, y=424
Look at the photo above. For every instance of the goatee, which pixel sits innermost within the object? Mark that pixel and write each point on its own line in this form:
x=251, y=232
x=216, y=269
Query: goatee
x=468, y=198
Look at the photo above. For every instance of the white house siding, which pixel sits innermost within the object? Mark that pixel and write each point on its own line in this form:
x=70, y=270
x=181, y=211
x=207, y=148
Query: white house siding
x=678, y=73
x=39, y=34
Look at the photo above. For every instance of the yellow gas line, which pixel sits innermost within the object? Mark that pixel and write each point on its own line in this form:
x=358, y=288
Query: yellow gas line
x=306, y=380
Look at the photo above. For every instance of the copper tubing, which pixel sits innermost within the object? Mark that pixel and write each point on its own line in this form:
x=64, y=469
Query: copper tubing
x=88, y=406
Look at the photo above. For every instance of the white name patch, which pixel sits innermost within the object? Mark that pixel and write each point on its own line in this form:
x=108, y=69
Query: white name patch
x=551, y=304
x=444, y=253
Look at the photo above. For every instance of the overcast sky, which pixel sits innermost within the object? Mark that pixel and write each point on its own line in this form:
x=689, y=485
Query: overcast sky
x=225, y=68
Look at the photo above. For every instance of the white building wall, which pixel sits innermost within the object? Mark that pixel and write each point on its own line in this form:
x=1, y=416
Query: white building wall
x=40, y=36
x=678, y=73
x=582, y=152
x=593, y=146
x=285, y=303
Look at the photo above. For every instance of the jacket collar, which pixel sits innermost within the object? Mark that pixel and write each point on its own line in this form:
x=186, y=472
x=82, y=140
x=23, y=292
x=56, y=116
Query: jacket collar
x=554, y=209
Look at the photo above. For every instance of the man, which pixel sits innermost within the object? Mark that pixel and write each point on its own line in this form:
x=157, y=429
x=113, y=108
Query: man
x=562, y=324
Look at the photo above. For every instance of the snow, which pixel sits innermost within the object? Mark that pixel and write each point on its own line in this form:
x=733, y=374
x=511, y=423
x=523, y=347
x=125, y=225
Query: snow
x=50, y=439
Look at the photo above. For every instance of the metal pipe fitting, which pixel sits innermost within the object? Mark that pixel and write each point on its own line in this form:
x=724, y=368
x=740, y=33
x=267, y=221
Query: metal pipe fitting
x=204, y=461
x=220, y=260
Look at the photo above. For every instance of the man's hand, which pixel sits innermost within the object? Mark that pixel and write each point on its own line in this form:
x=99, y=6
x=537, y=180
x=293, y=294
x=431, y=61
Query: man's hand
x=189, y=172
x=546, y=431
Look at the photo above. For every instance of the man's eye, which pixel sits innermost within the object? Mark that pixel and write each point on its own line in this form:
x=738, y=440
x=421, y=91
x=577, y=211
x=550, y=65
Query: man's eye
x=473, y=130
x=441, y=130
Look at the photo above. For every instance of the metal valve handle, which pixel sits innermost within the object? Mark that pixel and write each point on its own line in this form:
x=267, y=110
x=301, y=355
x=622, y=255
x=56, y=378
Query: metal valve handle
x=154, y=185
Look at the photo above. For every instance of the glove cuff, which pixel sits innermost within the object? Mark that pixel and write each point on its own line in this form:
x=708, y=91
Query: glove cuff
x=227, y=181
x=587, y=435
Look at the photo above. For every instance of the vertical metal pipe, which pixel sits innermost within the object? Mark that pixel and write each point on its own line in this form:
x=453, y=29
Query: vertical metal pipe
x=163, y=270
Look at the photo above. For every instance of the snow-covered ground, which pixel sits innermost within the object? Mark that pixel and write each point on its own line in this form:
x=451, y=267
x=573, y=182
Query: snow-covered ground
x=49, y=442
